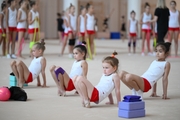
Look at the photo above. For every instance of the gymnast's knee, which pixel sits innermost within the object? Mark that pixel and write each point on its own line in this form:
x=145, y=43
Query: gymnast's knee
x=13, y=63
x=134, y=44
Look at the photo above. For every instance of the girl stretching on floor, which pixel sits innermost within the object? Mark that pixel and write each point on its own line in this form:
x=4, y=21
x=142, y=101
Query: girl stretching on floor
x=109, y=80
x=37, y=66
x=158, y=68
x=80, y=67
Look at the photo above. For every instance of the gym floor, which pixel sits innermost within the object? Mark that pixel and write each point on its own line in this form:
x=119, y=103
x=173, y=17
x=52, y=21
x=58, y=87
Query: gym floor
x=45, y=104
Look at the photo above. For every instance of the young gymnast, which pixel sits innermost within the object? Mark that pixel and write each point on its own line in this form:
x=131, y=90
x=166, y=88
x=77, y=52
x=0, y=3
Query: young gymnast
x=109, y=80
x=22, y=24
x=174, y=20
x=80, y=67
x=105, y=22
x=3, y=28
x=90, y=28
x=33, y=28
x=133, y=30
x=123, y=28
x=72, y=29
x=66, y=26
x=158, y=68
x=11, y=24
x=146, y=28
x=37, y=66
x=60, y=27
x=81, y=25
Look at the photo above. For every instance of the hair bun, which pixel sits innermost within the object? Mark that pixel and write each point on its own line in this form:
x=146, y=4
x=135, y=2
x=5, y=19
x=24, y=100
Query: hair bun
x=42, y=42
x=114, y=54
x=167, y=44
x=147, y=4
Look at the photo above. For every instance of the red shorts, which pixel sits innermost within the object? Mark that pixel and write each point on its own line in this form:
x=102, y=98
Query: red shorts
x=31, y=31
x=146, y=30
x=90, y=32
x=21, y=29
x=82, y=34
x=70, y=32
x=132, y=34
x=95, y=95
x=147, y=85
x=70, y=86
x=65, y=34
x=2, y=31
x=173, y=29
x=12, y=29
x=30, y=78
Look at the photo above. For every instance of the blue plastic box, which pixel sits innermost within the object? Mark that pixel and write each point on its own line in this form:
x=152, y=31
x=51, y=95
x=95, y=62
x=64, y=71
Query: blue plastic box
x=13, y=81
x=131, y=114
x=115, y=35
x=131, y=105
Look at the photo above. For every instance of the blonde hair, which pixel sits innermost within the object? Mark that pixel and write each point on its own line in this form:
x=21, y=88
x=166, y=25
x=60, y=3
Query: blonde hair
x=161, y=4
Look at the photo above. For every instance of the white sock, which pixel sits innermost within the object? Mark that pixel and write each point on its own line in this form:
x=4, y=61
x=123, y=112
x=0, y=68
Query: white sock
x=134, y=92
x=140, y=93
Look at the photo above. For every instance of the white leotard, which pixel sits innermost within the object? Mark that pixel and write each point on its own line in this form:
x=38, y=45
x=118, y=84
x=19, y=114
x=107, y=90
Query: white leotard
x=82, y=24
x=12, y=18
x=65, y=27
x=145, y=19
x=90, y=22
x=23, y=17
x=174, y=19
x=35, y=24
x=155, y=71
x=73, y=21
x=133, y=24
x=4, y=21
x=35, y=67
x=105, y=86
x=76, y=69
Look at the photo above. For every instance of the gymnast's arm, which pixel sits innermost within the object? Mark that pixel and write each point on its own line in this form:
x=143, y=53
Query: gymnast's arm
x=165, y=80
x=116, y=80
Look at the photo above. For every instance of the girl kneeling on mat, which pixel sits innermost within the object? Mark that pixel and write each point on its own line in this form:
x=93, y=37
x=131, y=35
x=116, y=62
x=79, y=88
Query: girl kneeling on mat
x=80, y=67
x=37, y=66
x=158, y=68
x=109, y=80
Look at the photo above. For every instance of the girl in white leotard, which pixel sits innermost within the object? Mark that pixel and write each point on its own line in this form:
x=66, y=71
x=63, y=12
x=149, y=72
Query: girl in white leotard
x=109, y=81
x=158, y=68
x=22, y=24
x=81, y=24
x=37, y=66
